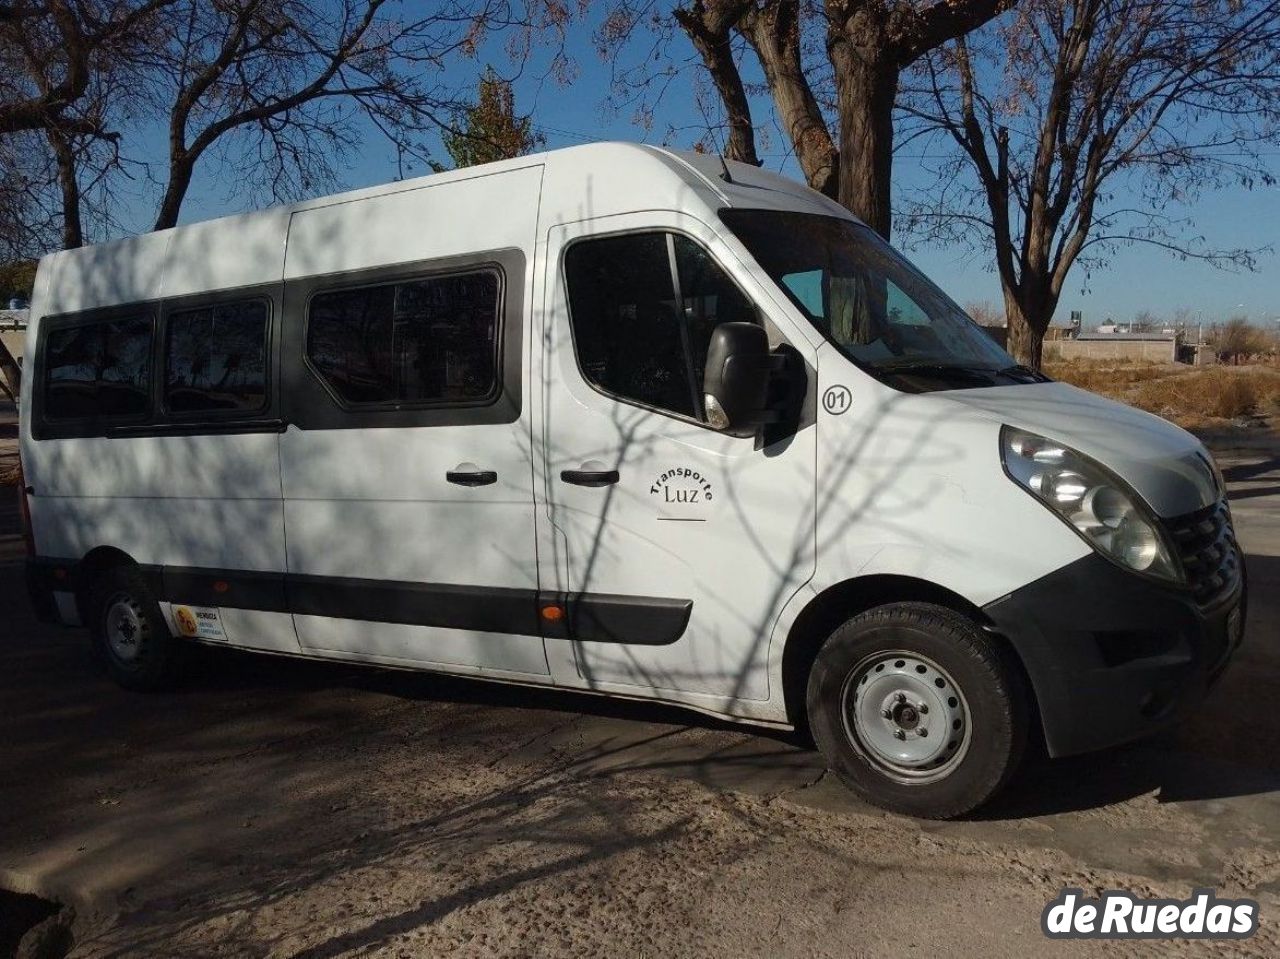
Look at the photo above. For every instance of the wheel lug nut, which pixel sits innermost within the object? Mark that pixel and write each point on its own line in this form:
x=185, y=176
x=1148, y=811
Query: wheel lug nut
x=899, y=734
x=923, y=709
x=887, y=713
x=901, y=698
x=922, y=731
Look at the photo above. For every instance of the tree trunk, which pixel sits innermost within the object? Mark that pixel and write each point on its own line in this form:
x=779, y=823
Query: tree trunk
x=709, y=30
x=773, y=31
x=1026, y=333
x=175, y=192
x=866, y=88
x=72, y=222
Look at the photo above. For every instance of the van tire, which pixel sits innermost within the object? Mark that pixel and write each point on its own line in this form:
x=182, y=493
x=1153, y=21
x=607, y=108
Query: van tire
x=129, y=636
x=891, y=677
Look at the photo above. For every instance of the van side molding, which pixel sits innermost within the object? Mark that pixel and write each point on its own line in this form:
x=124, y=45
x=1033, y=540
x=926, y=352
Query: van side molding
x=586, y=617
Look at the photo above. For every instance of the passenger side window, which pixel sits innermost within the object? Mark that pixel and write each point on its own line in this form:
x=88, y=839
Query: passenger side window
x=433, y=340
x=216, y=359
x=630, y=338
x=98, y=371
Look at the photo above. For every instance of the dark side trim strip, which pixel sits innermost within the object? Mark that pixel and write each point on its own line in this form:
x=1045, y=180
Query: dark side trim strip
x=586, y=617
x=416, y=604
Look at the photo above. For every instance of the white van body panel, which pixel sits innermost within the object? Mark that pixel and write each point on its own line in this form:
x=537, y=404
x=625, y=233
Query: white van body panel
x=125, y=271
x=467, y=652
x=488, y=211
x=202, y=260
x=911, y=485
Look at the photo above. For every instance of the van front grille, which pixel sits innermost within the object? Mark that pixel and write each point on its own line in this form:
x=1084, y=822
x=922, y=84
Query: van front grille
x=1206, y=544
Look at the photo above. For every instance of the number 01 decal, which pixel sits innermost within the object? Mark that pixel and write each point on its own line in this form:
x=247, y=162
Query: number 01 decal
x=837, y=400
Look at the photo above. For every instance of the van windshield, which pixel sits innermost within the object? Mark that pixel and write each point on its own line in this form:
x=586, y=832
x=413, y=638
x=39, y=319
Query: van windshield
x=877, y=308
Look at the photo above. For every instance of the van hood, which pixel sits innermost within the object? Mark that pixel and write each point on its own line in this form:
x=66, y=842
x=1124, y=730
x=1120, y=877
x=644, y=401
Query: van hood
x=1165, y=464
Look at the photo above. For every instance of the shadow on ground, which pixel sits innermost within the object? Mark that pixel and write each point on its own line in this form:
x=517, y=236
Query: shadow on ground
x=1225, y=750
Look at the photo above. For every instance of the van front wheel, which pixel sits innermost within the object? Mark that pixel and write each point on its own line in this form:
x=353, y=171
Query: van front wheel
x=128, y=632
x=917, y=711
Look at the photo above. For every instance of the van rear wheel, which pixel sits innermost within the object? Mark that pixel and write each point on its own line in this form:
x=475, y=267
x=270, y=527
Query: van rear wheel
x=129, y=634
x=917, y=710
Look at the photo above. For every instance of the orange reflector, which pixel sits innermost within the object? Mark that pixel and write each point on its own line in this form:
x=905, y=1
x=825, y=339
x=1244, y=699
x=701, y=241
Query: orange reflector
x=553, y=614
x=221, y=586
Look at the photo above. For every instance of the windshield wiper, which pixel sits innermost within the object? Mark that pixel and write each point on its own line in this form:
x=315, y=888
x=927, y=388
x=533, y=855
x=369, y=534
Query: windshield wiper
x=1023, y=370
x=935, y=368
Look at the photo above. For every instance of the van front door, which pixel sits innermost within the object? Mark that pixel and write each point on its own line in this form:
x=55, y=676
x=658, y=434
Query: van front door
x=674, y=546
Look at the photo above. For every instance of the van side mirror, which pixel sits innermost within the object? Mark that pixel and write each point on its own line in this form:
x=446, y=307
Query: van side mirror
x=736, y=378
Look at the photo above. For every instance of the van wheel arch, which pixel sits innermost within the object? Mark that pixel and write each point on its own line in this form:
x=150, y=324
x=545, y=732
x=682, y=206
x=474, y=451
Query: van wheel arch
x=97, y=561
x=839, y=603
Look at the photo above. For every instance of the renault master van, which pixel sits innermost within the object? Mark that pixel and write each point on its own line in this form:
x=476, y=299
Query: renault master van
x=628, y=421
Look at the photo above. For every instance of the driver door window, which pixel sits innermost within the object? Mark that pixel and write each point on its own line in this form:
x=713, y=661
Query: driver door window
x=642, y=307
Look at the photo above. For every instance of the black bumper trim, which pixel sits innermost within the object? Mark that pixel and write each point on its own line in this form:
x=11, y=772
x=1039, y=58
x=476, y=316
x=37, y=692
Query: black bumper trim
x=1114, y=657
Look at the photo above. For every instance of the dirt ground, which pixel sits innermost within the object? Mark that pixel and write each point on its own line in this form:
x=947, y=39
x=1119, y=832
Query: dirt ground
x=272, y=808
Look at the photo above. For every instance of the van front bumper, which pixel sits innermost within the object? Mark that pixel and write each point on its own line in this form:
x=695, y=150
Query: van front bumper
x=1113, y=657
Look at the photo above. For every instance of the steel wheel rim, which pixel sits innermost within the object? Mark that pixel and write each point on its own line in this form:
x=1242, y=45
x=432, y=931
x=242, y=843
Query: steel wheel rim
x=906, y=716
x=124, y=628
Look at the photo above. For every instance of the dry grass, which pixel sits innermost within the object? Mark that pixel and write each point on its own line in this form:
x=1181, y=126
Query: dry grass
x=1192, y=397
x=1107, y=376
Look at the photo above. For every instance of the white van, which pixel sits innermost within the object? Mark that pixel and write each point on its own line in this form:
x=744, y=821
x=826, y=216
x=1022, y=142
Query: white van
x=622, y=420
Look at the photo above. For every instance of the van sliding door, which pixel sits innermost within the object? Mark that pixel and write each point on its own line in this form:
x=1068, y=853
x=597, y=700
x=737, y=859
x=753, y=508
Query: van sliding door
x=406, y=465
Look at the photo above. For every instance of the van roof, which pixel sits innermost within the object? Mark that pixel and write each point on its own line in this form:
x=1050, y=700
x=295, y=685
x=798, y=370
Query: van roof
x=747, y=184
x=630, y=163
x=613, y=177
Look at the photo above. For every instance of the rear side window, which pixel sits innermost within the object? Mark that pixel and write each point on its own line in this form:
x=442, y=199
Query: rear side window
x=428, y=341
x=216, y=359
x=98, y=371
x=635, y=337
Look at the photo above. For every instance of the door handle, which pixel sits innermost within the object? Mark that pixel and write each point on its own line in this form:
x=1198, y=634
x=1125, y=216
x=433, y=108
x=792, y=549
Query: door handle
x=468, y=474
x=590, y=477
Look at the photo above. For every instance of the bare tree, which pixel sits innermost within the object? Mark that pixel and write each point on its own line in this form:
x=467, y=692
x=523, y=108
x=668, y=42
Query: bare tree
x=831, y=70
x=1081, y=125
x=72, y=78
x=29, y=220
x=985, y=313
x=50, y=51
x=1237, y=340
x=282, y=87
x=1145, y=321
x=84, y=185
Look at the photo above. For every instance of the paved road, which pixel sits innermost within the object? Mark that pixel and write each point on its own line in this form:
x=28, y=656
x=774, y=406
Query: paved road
x=279, y=808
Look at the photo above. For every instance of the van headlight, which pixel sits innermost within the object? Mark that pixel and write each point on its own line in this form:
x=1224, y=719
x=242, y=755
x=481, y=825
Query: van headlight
x=1100, y=506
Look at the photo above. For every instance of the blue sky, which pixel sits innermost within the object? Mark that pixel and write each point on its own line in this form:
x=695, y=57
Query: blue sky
x=1137, y=278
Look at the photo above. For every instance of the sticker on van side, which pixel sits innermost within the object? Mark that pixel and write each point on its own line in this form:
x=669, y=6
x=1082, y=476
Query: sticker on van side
x=198, y=622
x=682, y=486
x=837, y=400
